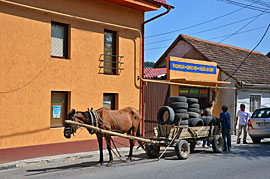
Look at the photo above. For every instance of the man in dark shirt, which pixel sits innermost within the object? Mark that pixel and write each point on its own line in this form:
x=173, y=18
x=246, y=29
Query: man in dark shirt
x=226, y=128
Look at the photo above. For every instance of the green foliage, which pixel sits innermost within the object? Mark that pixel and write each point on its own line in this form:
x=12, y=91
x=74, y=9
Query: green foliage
x=148, y=64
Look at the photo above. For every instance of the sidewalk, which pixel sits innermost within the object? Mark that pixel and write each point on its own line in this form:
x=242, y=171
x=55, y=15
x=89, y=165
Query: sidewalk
x=78, y=156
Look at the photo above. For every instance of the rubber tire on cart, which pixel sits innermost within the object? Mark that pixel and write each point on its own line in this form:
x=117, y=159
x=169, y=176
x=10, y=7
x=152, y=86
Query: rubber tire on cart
x=194, y=122
x=196, y=110
x=194, y=105
x=192, y=100
x=177, y=116
x=179, y=110
x=194, y=115
x=217, y=143
x=161, y=112
x=256, y=140
x=152, y=150
x=177, y=99
x=208, y=120
x=177, y=105
x=182, y=149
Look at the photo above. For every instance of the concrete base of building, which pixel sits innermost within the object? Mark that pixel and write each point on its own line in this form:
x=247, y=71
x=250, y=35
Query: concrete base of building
x=22, y=153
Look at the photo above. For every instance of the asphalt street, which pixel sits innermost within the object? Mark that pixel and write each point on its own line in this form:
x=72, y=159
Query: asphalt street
x=244, y=161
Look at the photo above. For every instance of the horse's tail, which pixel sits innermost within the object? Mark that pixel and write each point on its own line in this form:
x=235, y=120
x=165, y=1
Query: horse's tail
x=138, y=134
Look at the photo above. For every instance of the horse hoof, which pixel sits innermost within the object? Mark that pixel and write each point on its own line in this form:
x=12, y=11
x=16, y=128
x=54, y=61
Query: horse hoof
x=109, y=164
x=128, y=160
x=99, y=164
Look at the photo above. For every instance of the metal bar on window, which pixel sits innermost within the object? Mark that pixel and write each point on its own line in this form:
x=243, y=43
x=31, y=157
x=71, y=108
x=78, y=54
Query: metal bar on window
x=111, y=61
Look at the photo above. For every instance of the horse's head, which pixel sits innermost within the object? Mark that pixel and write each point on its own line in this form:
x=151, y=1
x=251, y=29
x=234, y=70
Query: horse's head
x=70, y=129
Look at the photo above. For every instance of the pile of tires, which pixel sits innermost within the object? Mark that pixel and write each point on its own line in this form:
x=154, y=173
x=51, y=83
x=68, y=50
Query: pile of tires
x=179, y=105
x=194, y=113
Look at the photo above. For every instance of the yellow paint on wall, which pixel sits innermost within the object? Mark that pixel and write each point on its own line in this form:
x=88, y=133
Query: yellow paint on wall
x=29, y=74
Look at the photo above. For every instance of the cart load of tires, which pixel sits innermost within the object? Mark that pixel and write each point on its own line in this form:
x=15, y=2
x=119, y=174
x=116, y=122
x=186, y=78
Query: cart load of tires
x=186, y=109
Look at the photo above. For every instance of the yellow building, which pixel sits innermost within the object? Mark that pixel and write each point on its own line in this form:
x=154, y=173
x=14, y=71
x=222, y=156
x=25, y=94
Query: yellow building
x=58, y=55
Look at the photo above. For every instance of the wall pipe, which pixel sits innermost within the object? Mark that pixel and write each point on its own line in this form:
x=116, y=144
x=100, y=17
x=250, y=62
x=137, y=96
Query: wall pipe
x=168, y=7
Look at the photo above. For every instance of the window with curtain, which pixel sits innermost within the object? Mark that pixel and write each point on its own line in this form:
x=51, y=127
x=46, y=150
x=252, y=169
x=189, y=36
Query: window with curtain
x=59, y=40
x=110, y=100
x=110, y=52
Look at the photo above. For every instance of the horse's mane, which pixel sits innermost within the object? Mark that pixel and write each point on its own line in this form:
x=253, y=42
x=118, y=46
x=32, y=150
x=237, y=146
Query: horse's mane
x=99, y=109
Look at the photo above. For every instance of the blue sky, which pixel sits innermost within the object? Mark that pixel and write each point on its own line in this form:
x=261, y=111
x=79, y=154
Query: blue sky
x=191, y=12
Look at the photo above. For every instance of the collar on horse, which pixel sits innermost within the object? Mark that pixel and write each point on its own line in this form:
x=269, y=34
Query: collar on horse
x=96, y=120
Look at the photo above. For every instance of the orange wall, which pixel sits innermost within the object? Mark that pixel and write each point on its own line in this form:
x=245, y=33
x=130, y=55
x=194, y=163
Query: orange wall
x=27, y=66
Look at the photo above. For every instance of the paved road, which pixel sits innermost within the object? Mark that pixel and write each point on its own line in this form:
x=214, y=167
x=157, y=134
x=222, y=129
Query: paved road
x=244, y=161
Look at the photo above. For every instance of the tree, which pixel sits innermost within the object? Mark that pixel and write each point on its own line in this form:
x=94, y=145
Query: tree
x=148, y=64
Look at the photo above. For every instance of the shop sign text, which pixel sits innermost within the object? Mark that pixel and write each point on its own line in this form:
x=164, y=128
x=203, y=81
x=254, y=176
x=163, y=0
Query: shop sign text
x=190, y=67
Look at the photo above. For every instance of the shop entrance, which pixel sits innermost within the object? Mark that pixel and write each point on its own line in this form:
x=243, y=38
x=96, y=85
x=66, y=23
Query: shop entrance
x=202, y=94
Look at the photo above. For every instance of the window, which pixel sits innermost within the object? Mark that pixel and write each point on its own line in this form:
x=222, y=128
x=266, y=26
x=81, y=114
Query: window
x=110, y=100
x=255, y=102
x=110, y=63
x=59, y=108
x=59, y=40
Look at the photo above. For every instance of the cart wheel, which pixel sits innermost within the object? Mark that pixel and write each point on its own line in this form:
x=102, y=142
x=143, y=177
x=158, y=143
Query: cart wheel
x=192, y=146
x=152, y=150
x=217, y=143
x=182, y=149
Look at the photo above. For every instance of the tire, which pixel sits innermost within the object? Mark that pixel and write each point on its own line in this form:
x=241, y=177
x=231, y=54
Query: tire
x=184, y=121
x=194, y=105
x=192, y=100
x=180, y=111
x=208, y=120
x=152, y=150
x=217, y=143
x=160, y=115
x=194, y=122
x=256, y=140
x=181, y=115
x=194, y=115
x=196, y=110
x=177, y=99
x=182, y=149
x=179, y=105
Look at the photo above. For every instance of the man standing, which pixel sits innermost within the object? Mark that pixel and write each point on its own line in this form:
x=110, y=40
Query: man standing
x=226, y=128
x=243, y=117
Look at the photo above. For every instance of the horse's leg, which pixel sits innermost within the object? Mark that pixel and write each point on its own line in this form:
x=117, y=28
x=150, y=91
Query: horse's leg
x=131, y=142
x=108, y=140
x=100, y=143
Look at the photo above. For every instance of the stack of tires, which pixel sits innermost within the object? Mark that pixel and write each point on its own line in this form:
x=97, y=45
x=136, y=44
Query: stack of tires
x=194, y=113
x=179, y=105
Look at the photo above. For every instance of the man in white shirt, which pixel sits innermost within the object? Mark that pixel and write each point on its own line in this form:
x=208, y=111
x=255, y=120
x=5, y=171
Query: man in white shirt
x=243, y=117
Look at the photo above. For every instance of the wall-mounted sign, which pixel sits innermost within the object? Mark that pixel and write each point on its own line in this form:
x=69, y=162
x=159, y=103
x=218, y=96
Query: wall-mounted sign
x=193, y=92
x=190, y=67
x=56, y=111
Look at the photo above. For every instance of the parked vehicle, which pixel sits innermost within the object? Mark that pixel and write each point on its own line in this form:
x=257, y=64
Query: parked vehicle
x=259, y=125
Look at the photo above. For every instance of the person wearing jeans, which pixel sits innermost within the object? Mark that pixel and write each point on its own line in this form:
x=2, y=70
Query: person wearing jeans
x=226, y=128
x=243, y=117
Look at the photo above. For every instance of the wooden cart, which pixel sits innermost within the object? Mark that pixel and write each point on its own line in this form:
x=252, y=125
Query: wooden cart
x=183, y=139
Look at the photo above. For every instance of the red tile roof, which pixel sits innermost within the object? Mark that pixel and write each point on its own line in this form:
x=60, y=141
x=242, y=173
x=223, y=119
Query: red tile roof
x=154, y=72
x=254, y=70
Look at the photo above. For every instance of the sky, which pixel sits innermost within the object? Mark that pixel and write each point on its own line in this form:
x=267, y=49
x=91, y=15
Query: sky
x=245, y=27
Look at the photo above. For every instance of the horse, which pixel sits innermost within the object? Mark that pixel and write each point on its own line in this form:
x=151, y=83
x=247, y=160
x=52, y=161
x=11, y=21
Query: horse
x=126, y=120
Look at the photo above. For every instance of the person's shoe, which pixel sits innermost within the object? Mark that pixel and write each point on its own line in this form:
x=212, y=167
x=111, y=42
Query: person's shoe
x=245, y=142
x=229, y=149
x=238, y=141
x=224, y=150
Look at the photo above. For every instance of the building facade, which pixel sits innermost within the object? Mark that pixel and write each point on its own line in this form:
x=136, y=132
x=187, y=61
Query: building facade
x=58, y=55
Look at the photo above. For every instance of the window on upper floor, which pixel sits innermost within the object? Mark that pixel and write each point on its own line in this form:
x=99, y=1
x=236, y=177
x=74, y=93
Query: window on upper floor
x=59, y=40
x=110, y=54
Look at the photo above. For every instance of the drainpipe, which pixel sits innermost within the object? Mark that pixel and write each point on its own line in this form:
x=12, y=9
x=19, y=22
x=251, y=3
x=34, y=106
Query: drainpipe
x=168, y=7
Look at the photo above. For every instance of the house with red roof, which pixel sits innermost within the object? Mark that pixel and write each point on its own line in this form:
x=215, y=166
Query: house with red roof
x=244, y=77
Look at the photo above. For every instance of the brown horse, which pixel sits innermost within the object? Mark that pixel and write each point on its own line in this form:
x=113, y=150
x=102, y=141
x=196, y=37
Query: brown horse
x=125, y=120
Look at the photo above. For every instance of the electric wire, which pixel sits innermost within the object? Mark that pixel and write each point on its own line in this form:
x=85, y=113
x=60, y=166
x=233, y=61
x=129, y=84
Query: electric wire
x=243, y=5
x=195, y=25
x=230, y=76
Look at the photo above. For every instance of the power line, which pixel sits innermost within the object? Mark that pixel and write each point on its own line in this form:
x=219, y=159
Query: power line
x=205, y=22
x=243, y=5
x=249, y=54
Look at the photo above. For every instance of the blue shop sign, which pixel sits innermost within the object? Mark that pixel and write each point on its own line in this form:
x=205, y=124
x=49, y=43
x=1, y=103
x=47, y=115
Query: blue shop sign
x=190, y=67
